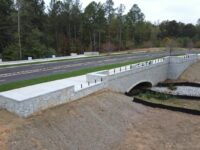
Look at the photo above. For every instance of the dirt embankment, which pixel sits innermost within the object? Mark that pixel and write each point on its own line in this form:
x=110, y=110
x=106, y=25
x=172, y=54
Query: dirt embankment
x=191, y=74
x=104, y=121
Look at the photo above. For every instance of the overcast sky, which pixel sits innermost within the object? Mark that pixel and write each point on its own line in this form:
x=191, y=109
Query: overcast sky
x=187, y=11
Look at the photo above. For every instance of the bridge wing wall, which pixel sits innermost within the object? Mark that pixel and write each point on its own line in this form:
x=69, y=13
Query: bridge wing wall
x=178, y=64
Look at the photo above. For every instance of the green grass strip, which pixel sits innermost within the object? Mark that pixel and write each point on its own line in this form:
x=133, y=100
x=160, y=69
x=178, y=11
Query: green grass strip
x=24, y=83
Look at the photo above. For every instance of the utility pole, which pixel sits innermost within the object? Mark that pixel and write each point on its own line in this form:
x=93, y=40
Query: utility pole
x=19, y=29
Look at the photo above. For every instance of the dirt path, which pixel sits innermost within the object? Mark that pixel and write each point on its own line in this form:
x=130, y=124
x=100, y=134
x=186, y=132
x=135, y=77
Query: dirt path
x=104, y=121
x=192, y=74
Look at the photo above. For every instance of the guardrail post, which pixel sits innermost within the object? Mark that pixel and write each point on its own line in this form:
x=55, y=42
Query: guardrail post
x=88, y=83
x=81, y=86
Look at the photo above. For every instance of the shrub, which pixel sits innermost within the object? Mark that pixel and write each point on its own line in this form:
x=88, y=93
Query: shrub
x=11, y=52
x=172, y=87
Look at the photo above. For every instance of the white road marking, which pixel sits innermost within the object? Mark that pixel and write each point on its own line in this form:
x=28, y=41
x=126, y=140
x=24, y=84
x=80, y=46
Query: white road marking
x=39, y=70
x=56, y=69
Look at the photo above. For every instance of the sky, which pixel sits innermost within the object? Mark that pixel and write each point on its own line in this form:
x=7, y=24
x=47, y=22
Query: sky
x=156, y=11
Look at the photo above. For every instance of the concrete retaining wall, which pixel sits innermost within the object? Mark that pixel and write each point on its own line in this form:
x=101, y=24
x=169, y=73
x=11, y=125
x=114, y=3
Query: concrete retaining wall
x=30, y=106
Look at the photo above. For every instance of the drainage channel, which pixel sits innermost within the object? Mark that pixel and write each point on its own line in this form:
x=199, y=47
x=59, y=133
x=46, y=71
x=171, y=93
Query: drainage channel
x=181, y=97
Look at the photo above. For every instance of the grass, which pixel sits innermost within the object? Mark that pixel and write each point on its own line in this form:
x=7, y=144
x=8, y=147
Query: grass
x=24, y=83
x=170, y=101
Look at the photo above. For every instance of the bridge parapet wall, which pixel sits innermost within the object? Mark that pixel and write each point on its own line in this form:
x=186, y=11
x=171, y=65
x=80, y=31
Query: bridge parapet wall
x=178, y=64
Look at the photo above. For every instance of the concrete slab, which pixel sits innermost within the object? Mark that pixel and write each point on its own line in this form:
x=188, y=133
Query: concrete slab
x=28, y=92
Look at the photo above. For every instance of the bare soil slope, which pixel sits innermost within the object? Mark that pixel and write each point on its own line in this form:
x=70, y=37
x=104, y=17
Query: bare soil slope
x=103, y=121
x=192, y=74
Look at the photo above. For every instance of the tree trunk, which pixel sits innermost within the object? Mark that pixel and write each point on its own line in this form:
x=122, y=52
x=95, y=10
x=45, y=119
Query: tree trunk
x=94, y=41
x=69, y=32
x=19, y=33
x=75, y=36
x=91, y=43
x=99, y=41
x=120, y=39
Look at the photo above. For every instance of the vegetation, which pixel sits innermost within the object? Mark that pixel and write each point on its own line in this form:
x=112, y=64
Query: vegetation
x=19, y=84
x=172, y=87
x=159, y=96
x=30, y=28
x=170, y=101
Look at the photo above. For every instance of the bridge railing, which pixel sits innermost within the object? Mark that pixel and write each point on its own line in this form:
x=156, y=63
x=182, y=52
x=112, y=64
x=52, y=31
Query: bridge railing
x=136, y=66
x=88, y=84
x=183, y=58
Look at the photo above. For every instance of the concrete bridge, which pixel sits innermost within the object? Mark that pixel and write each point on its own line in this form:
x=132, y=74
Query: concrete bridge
x=29, y=100
x=153, y=72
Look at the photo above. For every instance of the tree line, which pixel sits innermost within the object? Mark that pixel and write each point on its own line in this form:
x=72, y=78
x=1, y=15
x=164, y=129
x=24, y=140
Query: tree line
x=29, y=28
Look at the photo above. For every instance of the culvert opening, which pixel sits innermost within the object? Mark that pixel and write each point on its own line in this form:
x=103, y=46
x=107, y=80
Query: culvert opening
x=139, y=88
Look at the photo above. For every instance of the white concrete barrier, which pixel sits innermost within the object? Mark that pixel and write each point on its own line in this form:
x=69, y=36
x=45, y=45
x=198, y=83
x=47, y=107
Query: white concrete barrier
x=73, y=54
x=91, y=53
x=30, y=58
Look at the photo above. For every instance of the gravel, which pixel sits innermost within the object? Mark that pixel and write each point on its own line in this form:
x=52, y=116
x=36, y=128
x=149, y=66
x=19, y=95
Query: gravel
x=181, y=90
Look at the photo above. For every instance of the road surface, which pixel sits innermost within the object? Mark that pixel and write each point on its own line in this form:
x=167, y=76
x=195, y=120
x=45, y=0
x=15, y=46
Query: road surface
x=17, y=73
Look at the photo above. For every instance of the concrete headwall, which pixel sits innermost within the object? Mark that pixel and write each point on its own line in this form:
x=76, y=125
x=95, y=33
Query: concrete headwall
x=166, y=68
x=124, y=82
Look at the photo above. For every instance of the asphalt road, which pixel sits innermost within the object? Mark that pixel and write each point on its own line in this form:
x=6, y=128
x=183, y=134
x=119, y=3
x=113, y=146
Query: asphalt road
x=17, y=73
